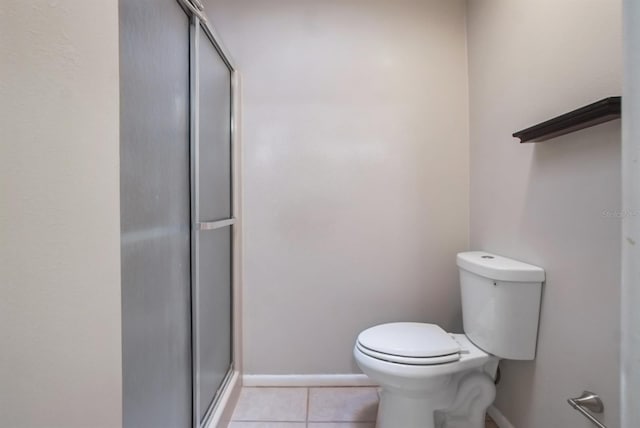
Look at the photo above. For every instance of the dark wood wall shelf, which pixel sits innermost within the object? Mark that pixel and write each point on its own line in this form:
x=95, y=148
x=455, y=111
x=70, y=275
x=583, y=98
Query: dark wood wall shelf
x=584, y=117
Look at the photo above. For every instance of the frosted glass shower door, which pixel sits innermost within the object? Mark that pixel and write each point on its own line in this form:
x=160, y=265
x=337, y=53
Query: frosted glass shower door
x=155, y=214
x=213, y=220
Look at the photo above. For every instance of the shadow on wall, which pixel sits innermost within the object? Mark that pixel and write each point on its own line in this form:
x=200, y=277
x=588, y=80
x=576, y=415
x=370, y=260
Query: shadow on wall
x=571, y=226
x=520, y=375
x=570, y=186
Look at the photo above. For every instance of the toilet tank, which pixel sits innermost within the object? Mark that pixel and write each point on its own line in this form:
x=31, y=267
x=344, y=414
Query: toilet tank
x=500, y=303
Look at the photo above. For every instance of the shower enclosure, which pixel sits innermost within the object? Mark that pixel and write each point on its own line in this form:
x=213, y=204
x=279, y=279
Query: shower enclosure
x=177, y=213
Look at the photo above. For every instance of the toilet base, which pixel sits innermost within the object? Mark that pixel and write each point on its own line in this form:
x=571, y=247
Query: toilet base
x=407, y=411
x=476, y=391
x=461, y=406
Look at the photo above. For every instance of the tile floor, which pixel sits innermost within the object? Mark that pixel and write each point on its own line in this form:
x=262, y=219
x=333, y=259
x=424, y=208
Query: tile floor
x=325, y=407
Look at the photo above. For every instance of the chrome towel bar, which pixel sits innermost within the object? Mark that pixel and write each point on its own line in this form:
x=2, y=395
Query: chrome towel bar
x=588, y=401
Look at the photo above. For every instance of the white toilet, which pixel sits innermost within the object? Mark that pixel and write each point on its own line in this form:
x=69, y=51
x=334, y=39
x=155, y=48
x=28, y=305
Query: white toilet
x=431, y=378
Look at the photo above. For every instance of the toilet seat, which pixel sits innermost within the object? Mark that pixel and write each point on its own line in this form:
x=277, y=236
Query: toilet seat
x=409, y=343
x=443, y=359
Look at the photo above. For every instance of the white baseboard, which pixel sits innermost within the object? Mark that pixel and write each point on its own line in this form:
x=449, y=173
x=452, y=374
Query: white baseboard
x=307, y=380
x=499, y=418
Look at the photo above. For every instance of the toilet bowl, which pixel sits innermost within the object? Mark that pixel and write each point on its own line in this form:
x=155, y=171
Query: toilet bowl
x=433, y=379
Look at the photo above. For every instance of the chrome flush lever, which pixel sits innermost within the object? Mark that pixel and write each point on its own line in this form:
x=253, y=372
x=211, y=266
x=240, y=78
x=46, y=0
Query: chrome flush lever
x=588, y=401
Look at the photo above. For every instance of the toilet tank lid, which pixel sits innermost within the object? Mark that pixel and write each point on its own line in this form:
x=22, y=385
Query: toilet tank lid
x=499, y=268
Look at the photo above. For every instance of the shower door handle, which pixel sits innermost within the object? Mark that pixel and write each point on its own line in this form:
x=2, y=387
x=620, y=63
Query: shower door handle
x=588, y=401
x=213, y=225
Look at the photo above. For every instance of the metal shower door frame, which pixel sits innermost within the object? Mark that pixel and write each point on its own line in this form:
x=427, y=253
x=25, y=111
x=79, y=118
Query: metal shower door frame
x=201, y=26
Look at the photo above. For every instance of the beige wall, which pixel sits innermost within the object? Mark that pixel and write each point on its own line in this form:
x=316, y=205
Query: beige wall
x=60, y=364
x=355, y=171
x=547, y=203
x=630, y=391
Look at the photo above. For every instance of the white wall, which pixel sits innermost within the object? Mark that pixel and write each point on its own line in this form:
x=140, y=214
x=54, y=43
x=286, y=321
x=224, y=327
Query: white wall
x=630, y=391
x=356, y=171
x=554, y=204
x=60, y=364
